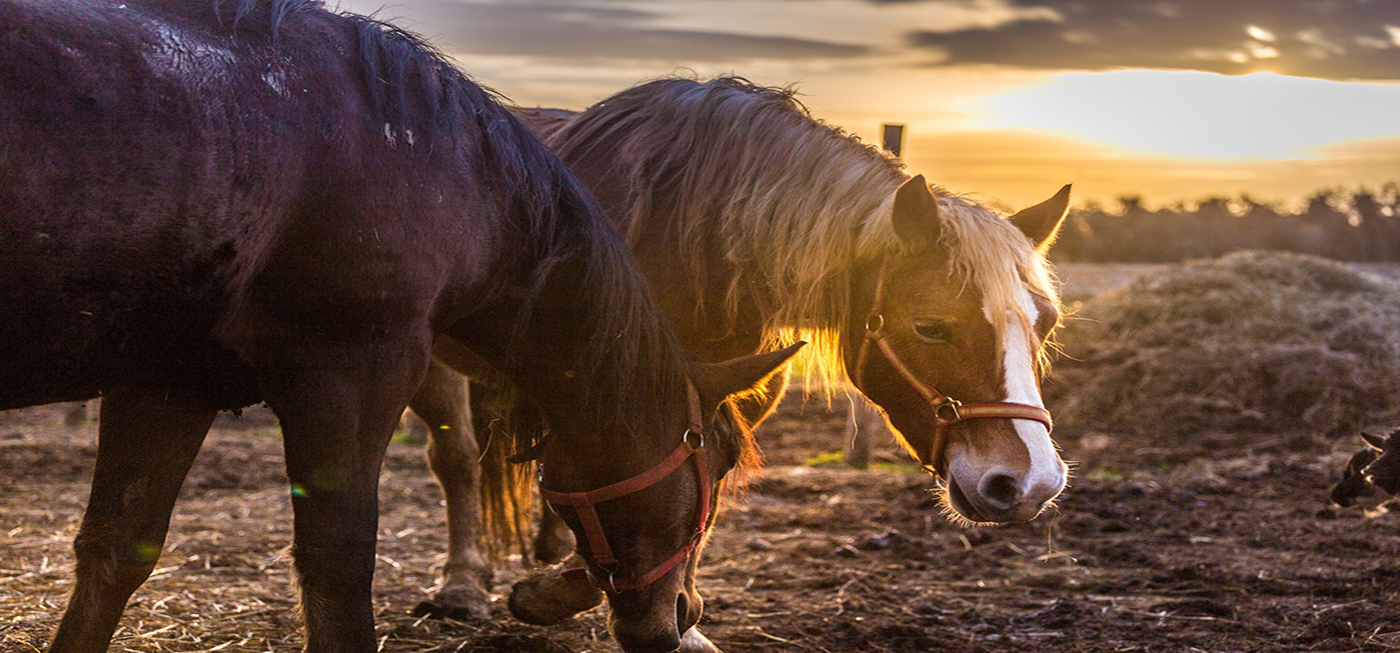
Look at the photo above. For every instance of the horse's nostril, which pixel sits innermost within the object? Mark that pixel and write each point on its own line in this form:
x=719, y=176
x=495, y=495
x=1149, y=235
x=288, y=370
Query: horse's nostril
x=1002, y=491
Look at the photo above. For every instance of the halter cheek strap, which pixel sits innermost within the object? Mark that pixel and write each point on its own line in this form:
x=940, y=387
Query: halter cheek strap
x=601, y=553
x=946, y=410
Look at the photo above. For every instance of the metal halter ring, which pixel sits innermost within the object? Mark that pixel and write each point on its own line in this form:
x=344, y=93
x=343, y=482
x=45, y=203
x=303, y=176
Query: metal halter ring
x=951, y=404
x=880, y=326
x=611, y=574
x=686, y=438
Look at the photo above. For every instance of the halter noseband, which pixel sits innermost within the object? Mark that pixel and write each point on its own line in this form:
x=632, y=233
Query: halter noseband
x=583, y=504
x=947, y=411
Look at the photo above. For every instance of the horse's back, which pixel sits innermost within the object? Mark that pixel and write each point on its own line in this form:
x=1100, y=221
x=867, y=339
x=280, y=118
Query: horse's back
x=163, y=169
x=127, y=118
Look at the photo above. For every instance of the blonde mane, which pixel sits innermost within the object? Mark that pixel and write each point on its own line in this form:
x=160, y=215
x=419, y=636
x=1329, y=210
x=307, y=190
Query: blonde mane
x=791, y=203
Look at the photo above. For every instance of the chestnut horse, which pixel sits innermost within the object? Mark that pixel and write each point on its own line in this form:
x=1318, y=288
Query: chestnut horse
x=205, y=206
x=758, y=226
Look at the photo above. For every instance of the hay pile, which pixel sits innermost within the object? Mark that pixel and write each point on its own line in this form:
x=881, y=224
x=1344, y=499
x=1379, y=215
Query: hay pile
x=1250, y=343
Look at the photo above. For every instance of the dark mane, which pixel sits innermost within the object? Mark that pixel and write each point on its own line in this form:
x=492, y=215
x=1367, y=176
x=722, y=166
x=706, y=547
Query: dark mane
x=424, y=106
x=277, y=11
x=412, y=84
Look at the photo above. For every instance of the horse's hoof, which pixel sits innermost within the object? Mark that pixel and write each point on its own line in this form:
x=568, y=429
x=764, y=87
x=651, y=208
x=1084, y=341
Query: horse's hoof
x=459, y=603
x=693, y=642
x=546, y=598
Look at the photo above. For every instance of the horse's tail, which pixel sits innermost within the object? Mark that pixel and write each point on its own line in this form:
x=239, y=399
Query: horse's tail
x=507, y=488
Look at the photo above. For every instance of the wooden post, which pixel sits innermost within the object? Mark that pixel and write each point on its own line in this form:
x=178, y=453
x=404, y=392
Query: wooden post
x=863, y=421
x=892, y=138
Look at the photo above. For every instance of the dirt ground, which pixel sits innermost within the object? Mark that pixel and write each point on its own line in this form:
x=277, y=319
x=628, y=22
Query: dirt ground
x=1225, y=542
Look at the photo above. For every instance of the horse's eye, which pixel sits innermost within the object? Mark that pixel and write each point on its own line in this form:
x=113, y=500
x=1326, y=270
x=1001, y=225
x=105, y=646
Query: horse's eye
x=938, y=331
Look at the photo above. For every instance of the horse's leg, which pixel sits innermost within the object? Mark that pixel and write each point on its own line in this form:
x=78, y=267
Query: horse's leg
x=507, y=489
x=338, y=406
x=145, y=446
x=553, y=540
x=442, y=403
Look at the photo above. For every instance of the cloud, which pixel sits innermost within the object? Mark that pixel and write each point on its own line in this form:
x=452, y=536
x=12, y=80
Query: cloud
x=1331, y=39
x=592, y=32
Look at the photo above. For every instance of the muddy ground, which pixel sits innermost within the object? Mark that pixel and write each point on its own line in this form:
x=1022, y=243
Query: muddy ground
x=1225, y=542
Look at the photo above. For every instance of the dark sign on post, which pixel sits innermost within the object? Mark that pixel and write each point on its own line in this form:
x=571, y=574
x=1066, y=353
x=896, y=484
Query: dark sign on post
x=892, y=138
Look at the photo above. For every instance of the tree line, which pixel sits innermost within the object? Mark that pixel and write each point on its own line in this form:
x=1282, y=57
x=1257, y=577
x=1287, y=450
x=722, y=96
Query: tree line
x=1347, y=225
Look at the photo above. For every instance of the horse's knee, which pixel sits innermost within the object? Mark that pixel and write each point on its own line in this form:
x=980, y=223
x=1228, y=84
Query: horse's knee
x=553, y=540
x=452, y=457
x=334, y=539
x=118, y=565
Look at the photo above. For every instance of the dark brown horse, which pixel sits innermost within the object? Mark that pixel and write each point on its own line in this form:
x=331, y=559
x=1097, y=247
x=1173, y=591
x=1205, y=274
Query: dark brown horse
x=758, y=225
x=206, y=206
x=1377, y=467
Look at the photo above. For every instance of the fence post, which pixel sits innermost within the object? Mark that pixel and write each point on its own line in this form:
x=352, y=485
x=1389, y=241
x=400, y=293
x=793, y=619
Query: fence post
x=892, y=138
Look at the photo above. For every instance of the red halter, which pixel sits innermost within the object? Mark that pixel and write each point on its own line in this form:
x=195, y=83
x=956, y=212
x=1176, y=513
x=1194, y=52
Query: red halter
x=946, y=410
x=583, y=502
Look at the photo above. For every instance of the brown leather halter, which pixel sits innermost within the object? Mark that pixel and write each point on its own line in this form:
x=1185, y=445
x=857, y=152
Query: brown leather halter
x=583, y=503
x=947, y=411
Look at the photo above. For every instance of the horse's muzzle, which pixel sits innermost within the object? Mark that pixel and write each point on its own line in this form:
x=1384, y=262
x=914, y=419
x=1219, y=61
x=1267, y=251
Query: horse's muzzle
x=653, y=619
x=1000, y=495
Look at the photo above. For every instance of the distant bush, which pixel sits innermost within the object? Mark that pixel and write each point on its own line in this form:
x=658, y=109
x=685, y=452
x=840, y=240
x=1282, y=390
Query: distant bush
x=1360, y=225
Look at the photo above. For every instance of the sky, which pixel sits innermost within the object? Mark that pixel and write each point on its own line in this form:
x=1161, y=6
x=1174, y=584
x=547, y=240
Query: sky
x=1170, y=100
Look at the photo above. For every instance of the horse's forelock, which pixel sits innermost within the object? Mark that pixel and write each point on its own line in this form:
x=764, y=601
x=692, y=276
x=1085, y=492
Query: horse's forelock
x=990, y=254
x=987, y=252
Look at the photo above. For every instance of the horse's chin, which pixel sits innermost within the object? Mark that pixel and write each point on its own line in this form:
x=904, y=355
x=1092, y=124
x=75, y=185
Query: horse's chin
x=959, y=506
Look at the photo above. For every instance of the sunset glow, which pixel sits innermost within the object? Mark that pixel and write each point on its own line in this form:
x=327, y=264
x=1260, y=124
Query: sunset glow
x=1205, y=116
x=1005, y=98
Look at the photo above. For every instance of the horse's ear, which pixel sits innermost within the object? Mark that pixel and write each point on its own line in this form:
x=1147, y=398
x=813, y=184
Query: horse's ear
x=716, y=381
x=915, y=218
x=1374, y=438
x=1041, y=223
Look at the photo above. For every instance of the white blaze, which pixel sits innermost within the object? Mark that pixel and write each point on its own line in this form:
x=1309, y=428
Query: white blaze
x=1047, y=473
